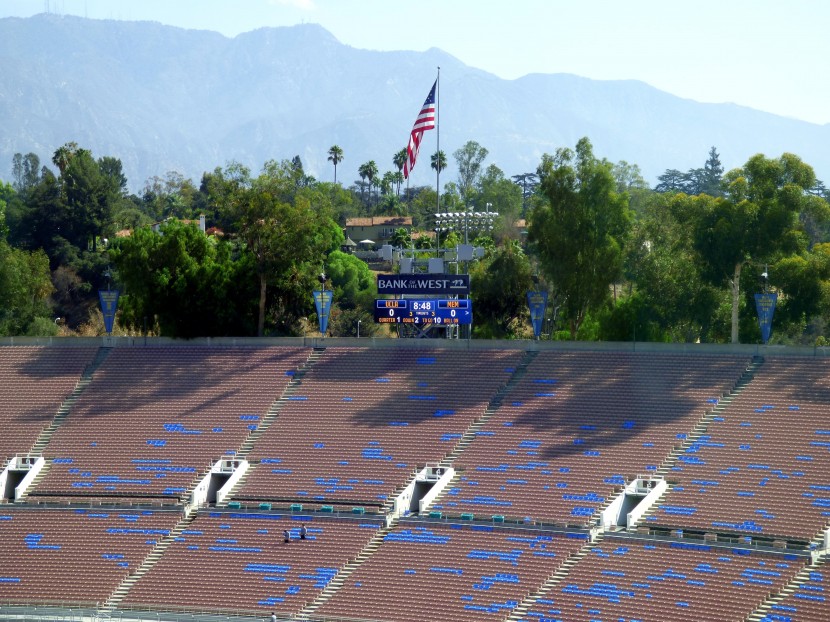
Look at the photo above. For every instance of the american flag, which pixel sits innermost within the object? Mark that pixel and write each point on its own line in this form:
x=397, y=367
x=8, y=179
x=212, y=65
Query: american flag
x=424, y=122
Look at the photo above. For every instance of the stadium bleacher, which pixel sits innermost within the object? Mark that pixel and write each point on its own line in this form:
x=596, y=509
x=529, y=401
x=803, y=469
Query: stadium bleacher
x=378, y=415
x=579, y=426
x=74, y=555
x=763, y=468
x=228, y=561
x=540, y=441
x=34, y=381
x=808, y=602
x=635, y=580
x=472, y=572
x=155, y=419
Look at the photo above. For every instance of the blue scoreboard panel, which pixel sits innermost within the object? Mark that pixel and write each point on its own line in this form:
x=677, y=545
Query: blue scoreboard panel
x=432, y=311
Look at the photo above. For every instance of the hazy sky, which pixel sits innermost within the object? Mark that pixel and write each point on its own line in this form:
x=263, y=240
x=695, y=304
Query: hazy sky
x=767, y=54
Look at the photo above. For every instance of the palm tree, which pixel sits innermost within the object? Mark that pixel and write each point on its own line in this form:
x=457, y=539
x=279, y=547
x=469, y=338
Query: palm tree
x=335, y=157
x=361, y=185
x=63, y=155
x=438, y=161
x=375, y=183
x=363, y=171
x=399, y=159
x=387, y=182
x=369, y=171
x=397, y=179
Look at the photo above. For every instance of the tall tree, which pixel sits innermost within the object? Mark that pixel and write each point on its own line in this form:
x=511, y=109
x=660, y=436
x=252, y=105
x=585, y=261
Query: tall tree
x=25, y=171
x=670, y=181
x=335, y=157
x=469, y=159
x=580, y=232
x=499, y=194
x=500, y=283
x=712, y=174
x=756, y=221
x=706, y=180
x=288, y=230
x=24, y=290
x=187, y=283
x=672, y=295
x=628, y=177
x=90, y=196
x=362, y=185
x=528, y=183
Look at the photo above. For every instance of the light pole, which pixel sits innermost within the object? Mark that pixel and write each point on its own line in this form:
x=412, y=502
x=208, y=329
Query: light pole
x=358, y=329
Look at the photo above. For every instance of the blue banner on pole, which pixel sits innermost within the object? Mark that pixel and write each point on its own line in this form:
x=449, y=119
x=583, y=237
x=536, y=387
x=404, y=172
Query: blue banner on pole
x=765, y=306
x=537, y=301
x=322, y=302
x=109, y=305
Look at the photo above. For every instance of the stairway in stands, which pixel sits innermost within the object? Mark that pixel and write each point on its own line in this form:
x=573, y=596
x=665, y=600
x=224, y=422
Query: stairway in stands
x=269, y=418
x=552, y=581
x=69, y=402
x=346, y=571
x=495, y=403
x=703, y=424
x=803, y=576
x=699, y=430
x=276, y=406
x=152, y=558
x=475, y=427
x=63, y=411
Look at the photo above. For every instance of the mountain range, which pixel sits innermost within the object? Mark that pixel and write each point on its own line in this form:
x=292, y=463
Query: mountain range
x=164, y=99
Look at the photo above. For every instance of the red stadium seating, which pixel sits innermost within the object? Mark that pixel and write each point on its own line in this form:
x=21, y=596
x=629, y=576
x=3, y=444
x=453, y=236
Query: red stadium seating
x=74, y=556
x=154, y=420
x=581, y=425
x=548, y=438
x=763, y=468
x=453, y=572
x=377, y=416
x=34, y=381
x=655, y=582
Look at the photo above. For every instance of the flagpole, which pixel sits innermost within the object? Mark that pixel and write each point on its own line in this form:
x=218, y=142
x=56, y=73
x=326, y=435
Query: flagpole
x=438, y=141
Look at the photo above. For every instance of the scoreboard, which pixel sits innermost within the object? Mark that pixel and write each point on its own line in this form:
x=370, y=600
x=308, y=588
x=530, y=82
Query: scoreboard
x=428, y=311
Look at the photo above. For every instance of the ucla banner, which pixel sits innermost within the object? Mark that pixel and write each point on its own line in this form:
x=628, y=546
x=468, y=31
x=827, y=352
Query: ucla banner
x=537, y=301
x=322, y=302
x=109, y=305
x=765, y=306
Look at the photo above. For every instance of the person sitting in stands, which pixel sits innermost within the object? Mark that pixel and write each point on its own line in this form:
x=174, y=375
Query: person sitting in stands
x=303, y=532
x=273, y=617
x=286, y=536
